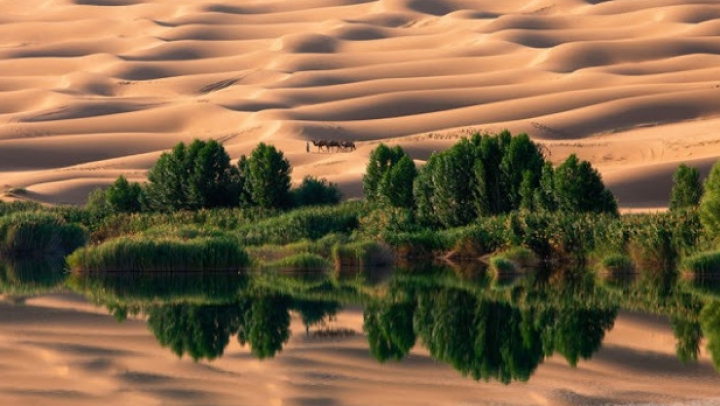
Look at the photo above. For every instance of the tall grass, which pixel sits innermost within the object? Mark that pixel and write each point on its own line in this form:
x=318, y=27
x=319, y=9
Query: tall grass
x=361, y=254
x=36, y=234
x=147, y=254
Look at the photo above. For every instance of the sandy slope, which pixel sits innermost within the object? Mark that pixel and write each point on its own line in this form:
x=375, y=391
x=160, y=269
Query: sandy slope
x=90, y=89
x=60, y=351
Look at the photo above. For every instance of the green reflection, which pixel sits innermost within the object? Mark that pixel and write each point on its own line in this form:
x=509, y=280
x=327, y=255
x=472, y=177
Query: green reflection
x=463, y=316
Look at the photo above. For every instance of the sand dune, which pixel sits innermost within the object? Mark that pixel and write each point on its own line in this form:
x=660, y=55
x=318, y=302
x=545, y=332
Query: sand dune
x=107, y=85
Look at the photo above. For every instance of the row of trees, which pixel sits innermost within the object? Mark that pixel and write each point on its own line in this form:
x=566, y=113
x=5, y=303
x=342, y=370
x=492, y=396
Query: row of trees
x=201, y=176
x=483, y=176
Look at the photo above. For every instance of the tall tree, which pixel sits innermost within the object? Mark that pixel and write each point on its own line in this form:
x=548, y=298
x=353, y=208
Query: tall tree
x=266, y=177
x=687, y=189
x=384, y=181
x=193, y=177
x=710, y=203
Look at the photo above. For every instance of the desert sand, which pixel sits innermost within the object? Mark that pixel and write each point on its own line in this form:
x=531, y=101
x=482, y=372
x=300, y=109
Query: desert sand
x=58, y=350
x=91, y=89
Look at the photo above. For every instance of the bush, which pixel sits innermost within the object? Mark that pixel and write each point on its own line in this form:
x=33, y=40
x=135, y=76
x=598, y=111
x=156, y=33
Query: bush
x=521, y=256
x=120, y=197
x=315, y=192
x=579, y=188
x=143, y=254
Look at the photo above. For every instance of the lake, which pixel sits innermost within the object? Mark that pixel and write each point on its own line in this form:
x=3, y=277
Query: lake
x=406, y=336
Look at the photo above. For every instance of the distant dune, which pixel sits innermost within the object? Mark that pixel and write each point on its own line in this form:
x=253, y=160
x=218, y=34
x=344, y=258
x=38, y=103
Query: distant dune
x=91, y=89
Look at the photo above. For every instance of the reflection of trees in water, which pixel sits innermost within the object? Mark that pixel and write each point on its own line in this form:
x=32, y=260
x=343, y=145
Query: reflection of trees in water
x=486, y=335
x=389, y=329
x=199, y=331
x=260, y=321
x=710, y=321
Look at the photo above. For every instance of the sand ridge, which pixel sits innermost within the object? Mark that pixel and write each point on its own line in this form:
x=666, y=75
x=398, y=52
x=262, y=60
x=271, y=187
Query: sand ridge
x=95, y=88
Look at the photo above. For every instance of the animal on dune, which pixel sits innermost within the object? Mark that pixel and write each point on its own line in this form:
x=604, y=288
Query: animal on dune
x=348, y=145
x=321, y=144
x=329, y=145
x=334, y=144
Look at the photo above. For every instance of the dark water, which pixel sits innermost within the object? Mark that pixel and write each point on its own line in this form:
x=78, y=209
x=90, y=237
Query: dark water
x=489, y=330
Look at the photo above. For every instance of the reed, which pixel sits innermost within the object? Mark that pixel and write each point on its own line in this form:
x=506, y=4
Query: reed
x=146, y=254
x=38, y=234
x=361, y=254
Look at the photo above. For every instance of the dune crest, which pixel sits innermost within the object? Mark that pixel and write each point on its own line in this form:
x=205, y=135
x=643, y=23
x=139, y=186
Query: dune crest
x=87, y=82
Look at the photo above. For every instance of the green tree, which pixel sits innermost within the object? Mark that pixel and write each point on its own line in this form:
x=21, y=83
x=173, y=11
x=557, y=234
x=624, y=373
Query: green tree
x=520, y=168
x=120, y=197
x=193, y=177
x=396, y=187
x=544, y=195
x=313, y=192
x=579, y=188
x=710, y=203
x=382, y=186
x=265, y=177
x=687, y=189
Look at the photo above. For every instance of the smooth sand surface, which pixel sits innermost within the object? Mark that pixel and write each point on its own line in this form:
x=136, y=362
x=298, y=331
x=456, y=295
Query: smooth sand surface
x=91, y=89
x=58, y=350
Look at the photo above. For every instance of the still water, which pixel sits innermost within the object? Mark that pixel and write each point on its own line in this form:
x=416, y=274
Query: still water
x=429, y=336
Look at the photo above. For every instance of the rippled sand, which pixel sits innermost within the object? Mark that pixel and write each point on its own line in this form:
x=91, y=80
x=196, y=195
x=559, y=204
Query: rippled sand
x=91, y=89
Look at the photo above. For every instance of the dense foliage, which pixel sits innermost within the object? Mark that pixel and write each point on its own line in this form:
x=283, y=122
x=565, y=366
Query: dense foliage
x=687, y=189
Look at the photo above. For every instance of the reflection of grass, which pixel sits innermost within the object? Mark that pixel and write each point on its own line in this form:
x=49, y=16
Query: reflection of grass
x=616, y=264
x=300, y=262
x=31, y=276
x=702, y=264
x=143, y=254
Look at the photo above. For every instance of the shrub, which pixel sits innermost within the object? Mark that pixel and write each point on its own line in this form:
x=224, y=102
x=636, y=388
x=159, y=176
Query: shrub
x=315, y=192
x=120, y=197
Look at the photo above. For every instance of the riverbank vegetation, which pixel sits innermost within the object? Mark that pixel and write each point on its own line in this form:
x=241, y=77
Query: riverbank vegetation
x=482, y=197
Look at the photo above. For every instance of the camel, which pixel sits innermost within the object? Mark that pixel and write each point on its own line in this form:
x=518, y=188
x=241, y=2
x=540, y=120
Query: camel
x=348, y=145
x=321, y=144
x=333, y=143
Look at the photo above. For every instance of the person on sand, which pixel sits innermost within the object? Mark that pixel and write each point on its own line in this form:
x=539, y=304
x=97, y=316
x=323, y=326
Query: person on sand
x=307, y=146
